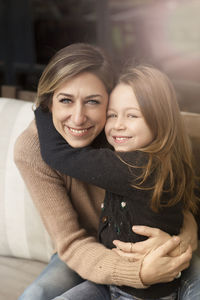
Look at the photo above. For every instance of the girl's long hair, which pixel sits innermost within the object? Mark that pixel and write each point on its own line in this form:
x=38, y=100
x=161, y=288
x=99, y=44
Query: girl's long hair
x=170, y=154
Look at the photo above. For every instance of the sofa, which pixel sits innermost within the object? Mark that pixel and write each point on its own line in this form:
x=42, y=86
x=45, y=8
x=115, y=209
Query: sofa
x=25, y=246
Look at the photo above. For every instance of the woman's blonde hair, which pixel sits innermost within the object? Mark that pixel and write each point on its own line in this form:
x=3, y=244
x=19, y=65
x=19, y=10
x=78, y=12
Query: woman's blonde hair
x=71, y=61
x=170, y=155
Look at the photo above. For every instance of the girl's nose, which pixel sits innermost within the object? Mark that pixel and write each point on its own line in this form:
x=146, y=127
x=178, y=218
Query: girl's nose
x=119, y=124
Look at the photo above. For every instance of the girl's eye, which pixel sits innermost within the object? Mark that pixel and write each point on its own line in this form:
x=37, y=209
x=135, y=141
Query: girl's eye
x=65, y=100
x=132, y=116
x=111, y=116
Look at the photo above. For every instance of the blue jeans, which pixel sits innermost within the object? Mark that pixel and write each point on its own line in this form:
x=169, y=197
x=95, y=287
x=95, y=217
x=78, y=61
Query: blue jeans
x=190, y=281
x=117, y=294
x=189, y=289
x=86, y=291
x=55, y=279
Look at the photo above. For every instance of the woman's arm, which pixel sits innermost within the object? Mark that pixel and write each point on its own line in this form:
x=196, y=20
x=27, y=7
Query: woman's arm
x=50, y=193
x=100, y=167
x=189, y=232
x=64, y=205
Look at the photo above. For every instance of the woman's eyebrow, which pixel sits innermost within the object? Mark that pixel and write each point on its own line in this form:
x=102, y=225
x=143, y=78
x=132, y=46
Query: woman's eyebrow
x=93, y=96
x=64, y=94
x=87, y=97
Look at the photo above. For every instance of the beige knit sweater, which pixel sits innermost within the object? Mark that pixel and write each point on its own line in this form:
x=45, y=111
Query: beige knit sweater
x=70, y=211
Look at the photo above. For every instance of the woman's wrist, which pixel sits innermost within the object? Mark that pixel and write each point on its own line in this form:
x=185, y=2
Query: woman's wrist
x=142, y=275
x=189, y=232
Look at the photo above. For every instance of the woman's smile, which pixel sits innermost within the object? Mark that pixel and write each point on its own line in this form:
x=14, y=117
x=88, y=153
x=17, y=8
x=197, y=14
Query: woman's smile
x=77, y=131
x=79, y=109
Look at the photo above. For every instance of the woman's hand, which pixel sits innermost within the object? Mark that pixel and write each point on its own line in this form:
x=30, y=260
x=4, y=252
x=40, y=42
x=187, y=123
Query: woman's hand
x=158, y=266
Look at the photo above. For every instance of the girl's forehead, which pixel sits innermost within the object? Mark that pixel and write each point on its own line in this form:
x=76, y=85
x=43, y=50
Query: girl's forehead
x=123, y=97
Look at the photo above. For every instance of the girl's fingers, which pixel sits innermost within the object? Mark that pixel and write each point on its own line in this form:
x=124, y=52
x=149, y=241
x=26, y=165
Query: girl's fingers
x=126, y=247
x=142, y=230
x=146, y=231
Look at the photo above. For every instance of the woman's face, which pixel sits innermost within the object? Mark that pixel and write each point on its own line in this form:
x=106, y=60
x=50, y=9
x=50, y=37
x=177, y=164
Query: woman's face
x=79, y=109
x=126, y=128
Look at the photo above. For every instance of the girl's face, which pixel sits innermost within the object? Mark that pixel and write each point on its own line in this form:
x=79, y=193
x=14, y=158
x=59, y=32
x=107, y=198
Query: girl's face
x=79, y=109
x=126, y=129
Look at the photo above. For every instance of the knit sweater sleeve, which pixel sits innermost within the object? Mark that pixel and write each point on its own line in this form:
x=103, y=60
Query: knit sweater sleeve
x=50, y=194
x=101, y=167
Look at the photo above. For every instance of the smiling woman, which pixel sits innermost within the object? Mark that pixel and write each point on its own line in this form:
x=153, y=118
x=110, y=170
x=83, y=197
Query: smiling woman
x=79, y=109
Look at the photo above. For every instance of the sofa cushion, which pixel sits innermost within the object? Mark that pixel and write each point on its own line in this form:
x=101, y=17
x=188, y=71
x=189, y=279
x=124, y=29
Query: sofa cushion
x=22, y=233
x=192, y=122
x=16, y=274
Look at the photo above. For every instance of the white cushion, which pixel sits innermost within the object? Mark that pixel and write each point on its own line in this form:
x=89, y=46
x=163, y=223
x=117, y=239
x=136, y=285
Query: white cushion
x=22, y=233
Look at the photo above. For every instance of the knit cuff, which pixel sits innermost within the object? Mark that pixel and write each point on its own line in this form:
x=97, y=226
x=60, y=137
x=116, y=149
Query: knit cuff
x=128, y=273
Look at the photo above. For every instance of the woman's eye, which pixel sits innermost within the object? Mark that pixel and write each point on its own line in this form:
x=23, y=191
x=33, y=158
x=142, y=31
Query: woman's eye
x=93, y=102
x=65, y=100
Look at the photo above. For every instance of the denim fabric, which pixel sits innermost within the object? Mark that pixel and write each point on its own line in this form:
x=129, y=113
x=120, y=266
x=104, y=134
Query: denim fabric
x=55, y=279
x=190, y=281
x=85, y=291
x=117, y=294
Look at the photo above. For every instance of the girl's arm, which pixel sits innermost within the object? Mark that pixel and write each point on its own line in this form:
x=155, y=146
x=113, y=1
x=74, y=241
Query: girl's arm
x=100, y=167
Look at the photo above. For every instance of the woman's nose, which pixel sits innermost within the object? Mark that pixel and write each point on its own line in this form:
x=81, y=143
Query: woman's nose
x=78, y=115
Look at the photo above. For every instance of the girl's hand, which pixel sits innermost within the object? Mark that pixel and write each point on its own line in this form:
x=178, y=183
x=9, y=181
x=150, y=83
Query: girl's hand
x=158, y=266
x=156, y=237
x=135, y=251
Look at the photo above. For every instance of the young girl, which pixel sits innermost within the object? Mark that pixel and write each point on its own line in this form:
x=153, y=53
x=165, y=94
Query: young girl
x=149, y=178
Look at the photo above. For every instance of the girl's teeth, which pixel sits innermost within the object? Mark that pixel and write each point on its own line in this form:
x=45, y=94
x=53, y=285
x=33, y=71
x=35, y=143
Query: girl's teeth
x=120, y=139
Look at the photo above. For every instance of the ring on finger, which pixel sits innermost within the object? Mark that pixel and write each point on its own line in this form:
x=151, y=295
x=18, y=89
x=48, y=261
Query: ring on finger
x=178, y=275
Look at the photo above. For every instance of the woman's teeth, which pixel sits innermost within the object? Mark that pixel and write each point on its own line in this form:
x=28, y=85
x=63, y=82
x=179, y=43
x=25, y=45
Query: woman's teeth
x=78, y=130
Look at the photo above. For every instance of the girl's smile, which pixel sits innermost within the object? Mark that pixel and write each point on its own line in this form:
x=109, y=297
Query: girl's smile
x=121, y=139
x=126, y=128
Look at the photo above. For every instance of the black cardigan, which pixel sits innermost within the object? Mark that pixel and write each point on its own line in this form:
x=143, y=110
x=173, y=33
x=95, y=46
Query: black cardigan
x=124, y=205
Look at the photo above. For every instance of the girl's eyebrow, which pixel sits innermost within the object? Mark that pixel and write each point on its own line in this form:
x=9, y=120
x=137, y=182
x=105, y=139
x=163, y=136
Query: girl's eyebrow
x=126, y=108
x=132, y=108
